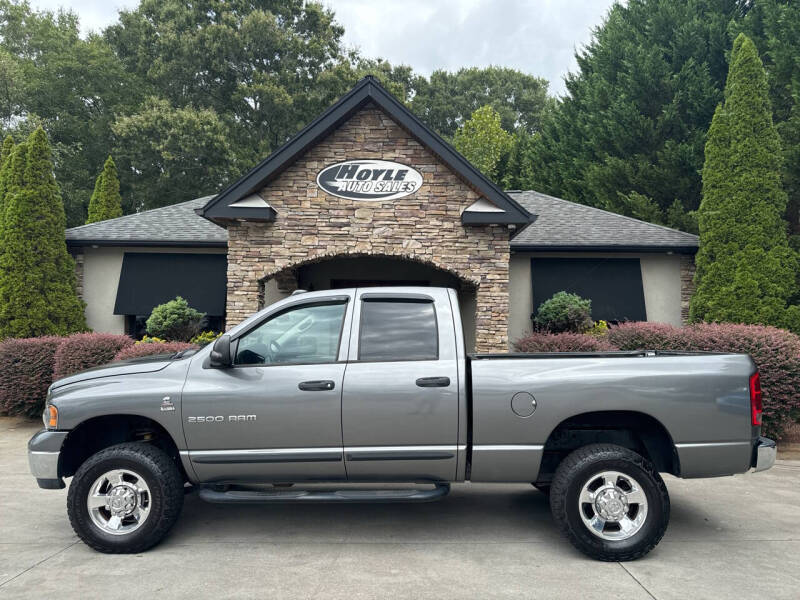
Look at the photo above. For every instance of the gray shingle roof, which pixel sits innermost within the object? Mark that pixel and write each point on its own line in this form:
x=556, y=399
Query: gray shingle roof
x=171, y=225
x=561, y=224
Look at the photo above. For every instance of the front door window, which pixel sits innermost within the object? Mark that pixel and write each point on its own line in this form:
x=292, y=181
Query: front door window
x=304, y=334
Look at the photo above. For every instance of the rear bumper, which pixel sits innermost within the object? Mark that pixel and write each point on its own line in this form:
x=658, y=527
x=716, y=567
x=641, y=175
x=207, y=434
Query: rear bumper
x=765, y=452
x=44, y=450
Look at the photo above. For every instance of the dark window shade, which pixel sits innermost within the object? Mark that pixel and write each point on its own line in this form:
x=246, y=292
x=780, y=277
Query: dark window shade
x=150, y=279
x=614, y=285
x=393, y=330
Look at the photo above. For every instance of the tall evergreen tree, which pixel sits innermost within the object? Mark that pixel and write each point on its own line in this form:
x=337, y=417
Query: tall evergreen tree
x=105, y=203
x=745, y=268
x=774, y=27
x=5, y=156
x=637, y=110
x=37, y=274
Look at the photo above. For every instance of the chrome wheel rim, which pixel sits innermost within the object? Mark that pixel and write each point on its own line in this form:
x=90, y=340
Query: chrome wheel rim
x=612, y=505
x=119, y=502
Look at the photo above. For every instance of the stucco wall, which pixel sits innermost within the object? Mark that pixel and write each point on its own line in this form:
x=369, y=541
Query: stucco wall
x=101, y=272
x=661, y=280
x=425, y=226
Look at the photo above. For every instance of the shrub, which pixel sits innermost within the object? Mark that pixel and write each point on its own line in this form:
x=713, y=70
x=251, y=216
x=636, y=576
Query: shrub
x=564, y=312
x=148, y=339
x=83, y=351
x=141, y=350
x=599, y=329
x=775, y=351
x=201, y=339
x=644, y=336
x=562, y=342
x=26, y=371
x=175, y=321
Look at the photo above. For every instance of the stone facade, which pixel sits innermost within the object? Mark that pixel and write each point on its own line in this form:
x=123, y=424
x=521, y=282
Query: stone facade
x=687, y=285
x=425, y=226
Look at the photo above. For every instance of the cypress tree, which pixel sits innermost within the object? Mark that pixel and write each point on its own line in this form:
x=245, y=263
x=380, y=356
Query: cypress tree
x=37, y=275
x=745, y=268
x=5, y=155
x=106, y=203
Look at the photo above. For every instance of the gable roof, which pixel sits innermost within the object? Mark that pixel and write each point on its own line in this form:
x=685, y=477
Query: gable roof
x=563, y=225
x=174, y=225
x=366, y=90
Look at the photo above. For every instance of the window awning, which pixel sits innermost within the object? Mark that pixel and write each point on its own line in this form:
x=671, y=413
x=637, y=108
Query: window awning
x=614, y=285
x=150, y=279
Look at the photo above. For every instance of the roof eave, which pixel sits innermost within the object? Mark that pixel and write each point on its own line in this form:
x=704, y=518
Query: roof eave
x=677, y=249
x=151, y=243
x=492, y=218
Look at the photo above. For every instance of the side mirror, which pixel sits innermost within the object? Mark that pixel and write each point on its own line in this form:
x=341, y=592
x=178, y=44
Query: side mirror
x=220, y=357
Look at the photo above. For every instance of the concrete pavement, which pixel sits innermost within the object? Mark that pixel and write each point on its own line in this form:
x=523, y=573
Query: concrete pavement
x=733, y=537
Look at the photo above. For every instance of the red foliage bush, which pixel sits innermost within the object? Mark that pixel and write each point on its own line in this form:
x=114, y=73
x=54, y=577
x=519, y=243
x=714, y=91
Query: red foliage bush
x=775, y=351
x=140, y=350
x=643, y=336
x=86, y=350
x=26, y=371
x=562, y=342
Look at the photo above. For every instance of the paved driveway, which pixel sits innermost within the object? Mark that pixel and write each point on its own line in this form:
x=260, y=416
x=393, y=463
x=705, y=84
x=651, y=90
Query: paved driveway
x=735, y=537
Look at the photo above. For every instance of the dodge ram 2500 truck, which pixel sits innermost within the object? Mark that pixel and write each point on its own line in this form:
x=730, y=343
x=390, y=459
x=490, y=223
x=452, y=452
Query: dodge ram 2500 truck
x=373, y=385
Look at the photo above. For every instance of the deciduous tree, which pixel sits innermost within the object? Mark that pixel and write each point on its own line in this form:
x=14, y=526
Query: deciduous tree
x=447, y=99
x=176, y=154
x=483, y=141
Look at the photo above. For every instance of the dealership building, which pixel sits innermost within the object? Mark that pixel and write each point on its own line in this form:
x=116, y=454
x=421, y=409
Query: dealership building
x=367, y=195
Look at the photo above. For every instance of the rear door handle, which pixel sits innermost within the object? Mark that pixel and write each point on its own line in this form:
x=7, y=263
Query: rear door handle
x=317, y=386
x=433, y=381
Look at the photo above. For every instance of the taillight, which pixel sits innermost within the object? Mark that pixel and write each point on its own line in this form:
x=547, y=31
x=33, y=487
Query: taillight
x=756, y=405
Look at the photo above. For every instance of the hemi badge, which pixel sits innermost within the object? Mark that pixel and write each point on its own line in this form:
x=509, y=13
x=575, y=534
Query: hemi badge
x=167, y=405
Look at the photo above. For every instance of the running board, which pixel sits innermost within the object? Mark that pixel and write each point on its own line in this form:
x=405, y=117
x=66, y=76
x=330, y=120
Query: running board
x=242, y=496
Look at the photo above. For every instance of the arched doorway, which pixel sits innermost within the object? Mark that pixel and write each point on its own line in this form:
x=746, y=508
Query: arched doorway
x=372, y=270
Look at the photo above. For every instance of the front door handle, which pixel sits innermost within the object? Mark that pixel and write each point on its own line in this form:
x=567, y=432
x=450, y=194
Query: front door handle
x=433, y=381
x=323, y=385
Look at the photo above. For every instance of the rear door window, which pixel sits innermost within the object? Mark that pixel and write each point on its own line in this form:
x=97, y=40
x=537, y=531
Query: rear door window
x=397, y=329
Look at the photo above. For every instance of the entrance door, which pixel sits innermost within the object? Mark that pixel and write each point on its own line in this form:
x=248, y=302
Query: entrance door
x=276, y=414
x=400, y=400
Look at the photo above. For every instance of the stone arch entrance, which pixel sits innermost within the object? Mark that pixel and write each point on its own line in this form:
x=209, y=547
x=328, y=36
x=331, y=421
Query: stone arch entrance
x=366, y=270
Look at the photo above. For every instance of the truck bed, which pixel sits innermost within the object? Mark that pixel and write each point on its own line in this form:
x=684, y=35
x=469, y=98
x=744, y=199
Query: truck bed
x=700, y=398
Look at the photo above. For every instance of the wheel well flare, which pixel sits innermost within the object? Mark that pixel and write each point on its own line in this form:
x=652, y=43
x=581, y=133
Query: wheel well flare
x=98, y=433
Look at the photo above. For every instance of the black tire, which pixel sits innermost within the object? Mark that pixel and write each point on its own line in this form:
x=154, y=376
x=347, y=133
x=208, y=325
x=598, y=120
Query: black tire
x=161, y=475
x=577, y=469
x=542, y=487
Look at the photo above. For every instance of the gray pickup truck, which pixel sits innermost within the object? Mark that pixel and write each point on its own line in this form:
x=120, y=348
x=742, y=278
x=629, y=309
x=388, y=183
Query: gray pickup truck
x=373, y=385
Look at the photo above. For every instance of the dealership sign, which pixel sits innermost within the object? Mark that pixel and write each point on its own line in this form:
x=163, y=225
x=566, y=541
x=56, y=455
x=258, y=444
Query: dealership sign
x=367, y=179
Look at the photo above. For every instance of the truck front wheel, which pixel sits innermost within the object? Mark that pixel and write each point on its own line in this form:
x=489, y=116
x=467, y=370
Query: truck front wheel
x=610, y=502
x=125, y=498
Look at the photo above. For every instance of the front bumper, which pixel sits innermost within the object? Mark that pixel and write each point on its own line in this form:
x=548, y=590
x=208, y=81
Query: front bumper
x=44, y=450
x=765, y=452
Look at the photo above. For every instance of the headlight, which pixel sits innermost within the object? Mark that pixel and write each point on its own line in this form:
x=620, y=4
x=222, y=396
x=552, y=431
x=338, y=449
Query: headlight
x=50, y=417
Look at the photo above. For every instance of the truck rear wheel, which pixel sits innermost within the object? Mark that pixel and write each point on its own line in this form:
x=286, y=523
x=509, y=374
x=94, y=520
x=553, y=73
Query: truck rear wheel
x=125, y=498
x=610, y=502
